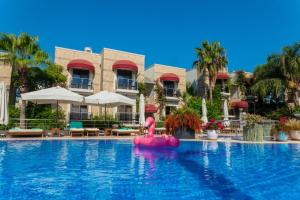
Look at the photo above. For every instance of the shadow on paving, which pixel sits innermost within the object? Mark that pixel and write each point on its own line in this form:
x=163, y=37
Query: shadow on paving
x=218, y=183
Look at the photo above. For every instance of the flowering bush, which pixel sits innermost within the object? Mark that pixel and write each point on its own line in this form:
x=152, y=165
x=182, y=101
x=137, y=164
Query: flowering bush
x=281, y=125
x=214, y=125
x=182, y=117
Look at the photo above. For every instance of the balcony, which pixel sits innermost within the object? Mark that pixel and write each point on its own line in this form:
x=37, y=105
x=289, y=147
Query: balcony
x=127, y=117
x=81, y=84
x=171, y=93
x=126, y=85
x=80, y=115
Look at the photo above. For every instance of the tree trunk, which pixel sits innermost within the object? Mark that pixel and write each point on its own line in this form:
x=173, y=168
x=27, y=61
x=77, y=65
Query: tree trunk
x=12, y=88
x=23, y=72
x=22, y=114
x=210, y=94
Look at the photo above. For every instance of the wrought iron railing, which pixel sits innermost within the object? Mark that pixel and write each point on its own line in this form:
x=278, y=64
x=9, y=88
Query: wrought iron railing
x=170, y=92
x=129, y=117
x=80, y=115
x=126, y=84
x=81, y=83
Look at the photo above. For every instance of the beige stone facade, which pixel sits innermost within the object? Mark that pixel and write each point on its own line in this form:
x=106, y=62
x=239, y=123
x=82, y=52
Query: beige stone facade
x=111, y=70
x=103, y=77
x=174, y=84
x=5, y=74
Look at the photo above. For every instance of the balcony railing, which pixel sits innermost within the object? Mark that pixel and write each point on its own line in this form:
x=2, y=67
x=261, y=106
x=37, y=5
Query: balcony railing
x=126, y=84
x=170, y=92
x=81, y=83
x=80, y=115
x=127, y=117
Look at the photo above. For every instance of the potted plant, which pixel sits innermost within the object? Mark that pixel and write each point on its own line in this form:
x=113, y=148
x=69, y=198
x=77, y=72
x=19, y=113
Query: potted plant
x=280, y=130
x=212, y=128
x=182, y=123
x=293, y=126
x=254, y=128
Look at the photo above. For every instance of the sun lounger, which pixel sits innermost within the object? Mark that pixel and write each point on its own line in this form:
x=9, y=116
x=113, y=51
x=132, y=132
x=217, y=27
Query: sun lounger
x=76, y=128
x=77, y=131
x=92, y=131
x=125, y=131
x=26, y=132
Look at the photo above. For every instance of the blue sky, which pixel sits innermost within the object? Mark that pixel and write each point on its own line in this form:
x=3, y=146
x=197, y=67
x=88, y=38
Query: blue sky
x=165, y=31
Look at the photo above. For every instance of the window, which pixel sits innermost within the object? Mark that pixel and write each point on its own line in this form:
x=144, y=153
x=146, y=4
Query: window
x=79, y=112
x=124, y=74
x=80, y=79
x=125, y=113
x=169, y=109
x=125, y=80
x=170, y=88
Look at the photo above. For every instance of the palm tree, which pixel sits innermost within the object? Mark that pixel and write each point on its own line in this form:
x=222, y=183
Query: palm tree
x=22, y=52
x=211, y=59
x=8, y=47
x=280, y=74
x=289, y=62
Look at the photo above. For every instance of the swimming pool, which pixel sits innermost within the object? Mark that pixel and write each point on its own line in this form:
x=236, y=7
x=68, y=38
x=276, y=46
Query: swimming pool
x=114, y=169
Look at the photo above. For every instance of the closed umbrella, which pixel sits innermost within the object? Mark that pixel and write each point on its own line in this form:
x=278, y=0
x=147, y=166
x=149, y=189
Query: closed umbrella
x=108, y=99
x=226, y=115
x=3, y=104
x=142, y=110
x=204, y=112
x=53, y=95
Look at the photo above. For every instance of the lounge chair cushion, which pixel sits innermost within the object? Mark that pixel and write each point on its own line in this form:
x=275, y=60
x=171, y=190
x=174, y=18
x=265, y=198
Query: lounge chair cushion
x=74, y=124
x=77, y=129
x=25, y=130
x=91, y=129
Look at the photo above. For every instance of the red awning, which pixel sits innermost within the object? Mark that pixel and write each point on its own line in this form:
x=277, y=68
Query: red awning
x=125, y=65
x=240, y=104
x=222, y=76
x=150, y=108
x=169, y=77
x=81, y=64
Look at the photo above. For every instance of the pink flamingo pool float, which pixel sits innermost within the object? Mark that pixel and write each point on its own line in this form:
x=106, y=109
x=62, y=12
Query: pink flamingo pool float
x=150, y=141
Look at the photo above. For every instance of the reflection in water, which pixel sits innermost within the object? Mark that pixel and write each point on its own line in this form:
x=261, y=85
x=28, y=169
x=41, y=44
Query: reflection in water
x=24, y=145
x=283, y=147
x=210, y=146
x=228, y=153
x=152, y=154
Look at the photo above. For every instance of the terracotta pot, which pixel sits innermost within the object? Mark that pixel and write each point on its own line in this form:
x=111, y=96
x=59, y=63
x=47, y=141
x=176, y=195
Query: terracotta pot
x=184, y=133
x=295, y=135
x=212, y=134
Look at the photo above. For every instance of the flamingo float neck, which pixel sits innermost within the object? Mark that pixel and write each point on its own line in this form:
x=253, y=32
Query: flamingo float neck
x=150, y=123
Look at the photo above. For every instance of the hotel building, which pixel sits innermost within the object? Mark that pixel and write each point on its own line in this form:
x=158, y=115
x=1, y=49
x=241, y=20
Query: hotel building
x=238, y=100
x=117, y=71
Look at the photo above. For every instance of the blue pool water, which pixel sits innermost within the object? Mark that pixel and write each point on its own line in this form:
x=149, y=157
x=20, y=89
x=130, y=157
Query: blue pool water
x=90, y=169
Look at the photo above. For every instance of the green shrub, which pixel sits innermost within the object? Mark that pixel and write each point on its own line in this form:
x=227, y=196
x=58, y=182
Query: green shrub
x=280, y=112
x=213, y=108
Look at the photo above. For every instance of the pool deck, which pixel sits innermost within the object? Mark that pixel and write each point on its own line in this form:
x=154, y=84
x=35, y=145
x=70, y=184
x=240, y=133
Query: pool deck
x=221, y=139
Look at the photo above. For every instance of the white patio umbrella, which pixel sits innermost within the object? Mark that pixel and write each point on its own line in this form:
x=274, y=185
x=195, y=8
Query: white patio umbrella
x=3, y=104
x=204, y=111
x=53, y=95
x=142, y=110
x=108, y=99
x=226, y=115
